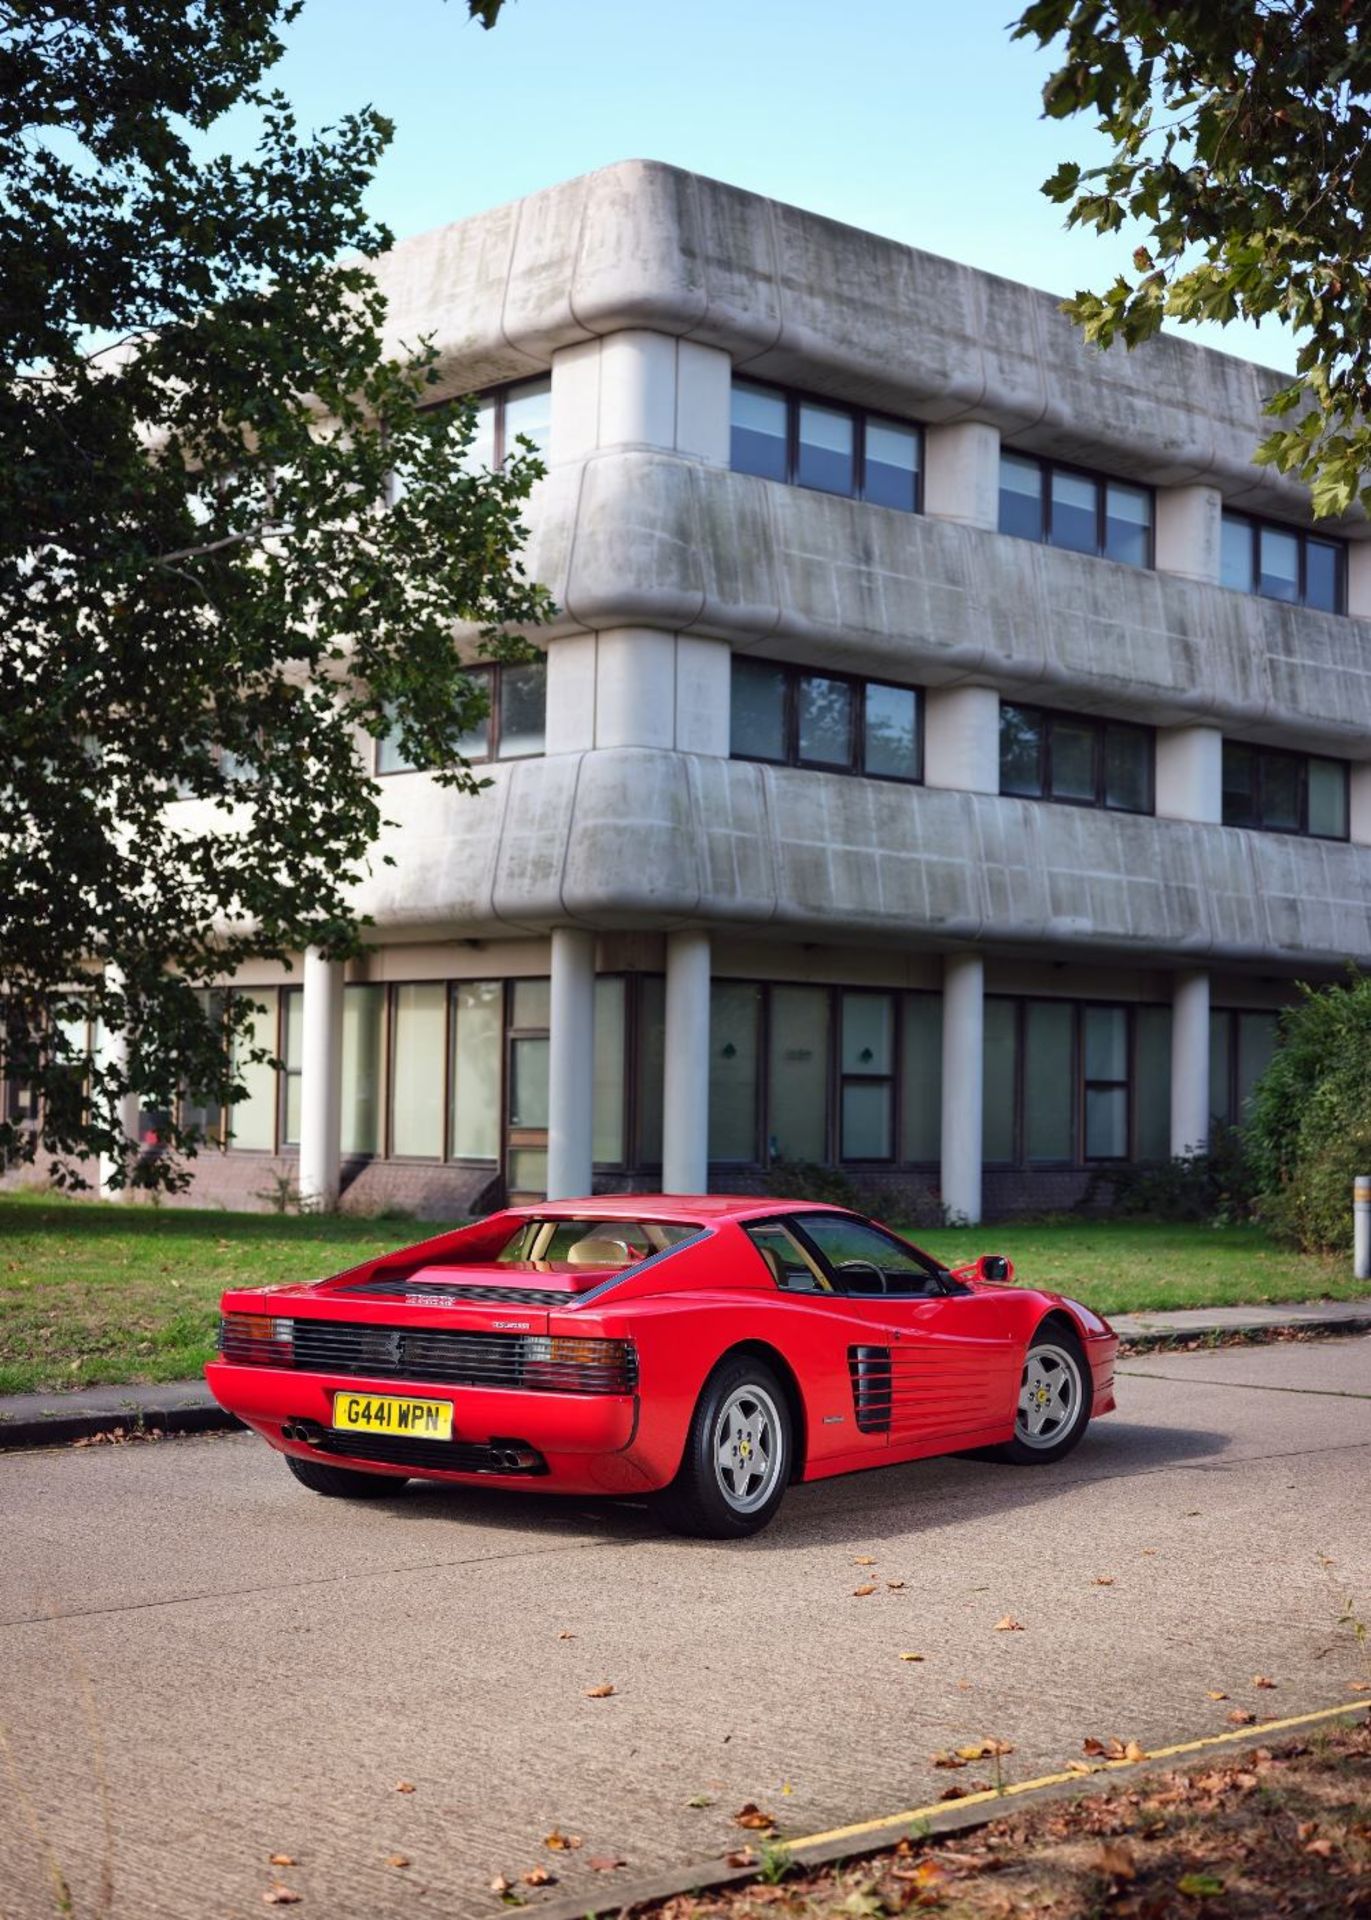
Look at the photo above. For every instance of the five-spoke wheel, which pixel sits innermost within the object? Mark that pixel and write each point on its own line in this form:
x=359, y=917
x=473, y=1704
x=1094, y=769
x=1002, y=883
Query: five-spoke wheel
x=737, y=1455
x=1054, y=1404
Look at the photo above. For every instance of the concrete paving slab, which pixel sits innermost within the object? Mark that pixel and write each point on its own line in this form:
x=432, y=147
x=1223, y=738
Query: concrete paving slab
x=243, y=1668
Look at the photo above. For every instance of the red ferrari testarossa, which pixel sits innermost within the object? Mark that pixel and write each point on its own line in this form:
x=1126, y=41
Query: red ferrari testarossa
x=707, y=1350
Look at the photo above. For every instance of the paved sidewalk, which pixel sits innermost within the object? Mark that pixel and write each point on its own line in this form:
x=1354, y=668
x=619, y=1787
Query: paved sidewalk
x=187, y=1406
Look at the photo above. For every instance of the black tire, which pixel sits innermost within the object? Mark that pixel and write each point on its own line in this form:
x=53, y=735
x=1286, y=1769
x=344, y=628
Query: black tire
x=342, y=1483
x=1054, y=1355
x=717, y=1502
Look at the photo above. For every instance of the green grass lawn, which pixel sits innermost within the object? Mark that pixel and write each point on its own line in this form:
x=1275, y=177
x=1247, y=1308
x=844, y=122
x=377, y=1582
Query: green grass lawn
x=94, y=1294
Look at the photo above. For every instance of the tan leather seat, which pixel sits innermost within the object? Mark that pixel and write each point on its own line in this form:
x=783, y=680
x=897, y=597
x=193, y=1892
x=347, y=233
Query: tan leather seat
x=598, y=1250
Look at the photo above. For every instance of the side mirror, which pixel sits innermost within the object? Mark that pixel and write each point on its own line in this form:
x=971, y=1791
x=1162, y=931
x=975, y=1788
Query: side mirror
x=996, y=1268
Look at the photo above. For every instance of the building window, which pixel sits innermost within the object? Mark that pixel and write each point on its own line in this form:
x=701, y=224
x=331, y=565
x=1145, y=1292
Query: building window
x=1073, y=758
x=252, y=1120
x=734, y=1029
x=791, y=716
x=1070, y=1083
x=505, y=415
x=831, y=448
x=418, y=1054
x=364, y=1010
x=292, y=1063
x=476, y=1078
x=1083, y=512
x=797, y=1074
x=1281, y=792
x=1241, y=1046
x=1284, y=563
x=515, y=723
x=866, y=1108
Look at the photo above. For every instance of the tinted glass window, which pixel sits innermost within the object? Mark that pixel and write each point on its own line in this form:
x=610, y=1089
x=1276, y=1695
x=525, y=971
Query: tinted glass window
x=1235, y=567
x=759, y=431
x=827, y=451
x=758, y=727
x=1021, y=496
x=1280, y=792
x=797, y=1074
x=523, y=710
x=528, y=415
x=999, y=1077
x=734, y=1017
x=1073, y=760
x=825, y=720
x=892, y=732
x=1074, y=522
x=1322, y=576
x=1021, y=750
x=1328, y=799
x=1128, y=524
x=1279, y=564
x=1239, y=780
x=892, y=465
x=1049, y=1080
x=1128, y=768
x=866, y=1261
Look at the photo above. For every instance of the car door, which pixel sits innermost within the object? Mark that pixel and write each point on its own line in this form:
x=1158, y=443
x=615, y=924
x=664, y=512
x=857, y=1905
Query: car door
x=939, y=1364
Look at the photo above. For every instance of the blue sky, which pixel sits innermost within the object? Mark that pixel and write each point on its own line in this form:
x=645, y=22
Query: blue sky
x=916, y=118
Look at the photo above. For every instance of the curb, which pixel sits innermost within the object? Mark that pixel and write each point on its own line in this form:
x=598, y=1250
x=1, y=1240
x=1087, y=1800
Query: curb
x=62, y=1428
x=708, y=1876
x=1253, y=1333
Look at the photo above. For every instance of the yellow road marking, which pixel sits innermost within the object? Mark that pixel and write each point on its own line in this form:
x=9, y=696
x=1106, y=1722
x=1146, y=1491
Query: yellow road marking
x=892, y=1820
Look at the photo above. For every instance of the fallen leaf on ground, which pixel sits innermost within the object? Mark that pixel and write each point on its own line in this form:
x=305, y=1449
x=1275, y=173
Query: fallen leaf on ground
x=1078, y=1766
x=1134, y=1751
x=566, y=1634
x=740, y=1857
x=1215, y=1693
x=1199, y=1886
x=605, y=1862
x=397, y=1859
x=1116, y=1859
x=1009, y=1625
x=1323, y=1848
x=1240, y=1717
x=1359, y=1686
x=864, y=1560
x=281, y=1897
x=538, y=1877
x=753, y=1817
x=501, y=1885
x=699, y=1800
x=953, y=1793
x=860, y=1593
x=282, y=1860
x=601, y=1692
x=983, y=1749
x=950, y=1760
x=1262, y=1680
x=562, y=1842
x=1103, y=1580
x=894, y=1585
x=404, y=1786
x=911, y=1656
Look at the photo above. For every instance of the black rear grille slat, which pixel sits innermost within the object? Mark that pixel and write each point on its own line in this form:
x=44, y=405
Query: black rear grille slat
x=869, y=1368
x=453, y=1359
x=420, y=1291
x=439, y=1456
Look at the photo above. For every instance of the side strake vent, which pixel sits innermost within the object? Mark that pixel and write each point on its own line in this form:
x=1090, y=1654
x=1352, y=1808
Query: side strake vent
x=870, y=1370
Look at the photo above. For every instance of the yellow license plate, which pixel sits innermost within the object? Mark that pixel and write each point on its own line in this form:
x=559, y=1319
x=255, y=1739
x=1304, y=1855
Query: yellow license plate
x=388, y=1413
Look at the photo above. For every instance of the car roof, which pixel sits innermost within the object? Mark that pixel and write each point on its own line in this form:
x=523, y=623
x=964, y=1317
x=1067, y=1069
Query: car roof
x=707, y=1208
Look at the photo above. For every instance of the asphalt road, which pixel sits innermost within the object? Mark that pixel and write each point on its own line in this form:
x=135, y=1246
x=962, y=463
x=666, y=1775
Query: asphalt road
x=201, y=1664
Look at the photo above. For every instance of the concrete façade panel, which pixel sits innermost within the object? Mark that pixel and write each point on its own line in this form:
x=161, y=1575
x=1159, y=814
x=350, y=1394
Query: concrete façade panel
x=646, y=539
x=641, y=838
x=797, y=297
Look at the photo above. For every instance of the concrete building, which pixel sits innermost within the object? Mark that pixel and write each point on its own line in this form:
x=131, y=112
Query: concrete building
x=950, y=751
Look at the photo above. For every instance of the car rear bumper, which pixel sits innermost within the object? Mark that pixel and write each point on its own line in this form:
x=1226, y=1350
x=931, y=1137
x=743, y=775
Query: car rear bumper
x=551, y=1442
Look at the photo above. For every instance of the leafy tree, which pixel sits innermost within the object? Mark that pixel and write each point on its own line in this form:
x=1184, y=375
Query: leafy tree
x=1241, y=137
x=1308, y=1132
x=203, y=595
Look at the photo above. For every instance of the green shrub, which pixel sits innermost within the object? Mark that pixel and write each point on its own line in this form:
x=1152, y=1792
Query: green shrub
x=1308, y=1128
x=1213, y=1188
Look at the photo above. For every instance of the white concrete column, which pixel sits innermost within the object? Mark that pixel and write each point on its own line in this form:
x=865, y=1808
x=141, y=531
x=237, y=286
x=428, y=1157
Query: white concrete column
x=1190, y=773
x=1359, y=803
x=963, y=1086
x=1188, y=534
x=321, y=1080
x=638, y=388
x=1190, y=1065
x=962, y=473
x=571, y=1065
x=685, y=1106
x=113, y=1051
x=962, y=738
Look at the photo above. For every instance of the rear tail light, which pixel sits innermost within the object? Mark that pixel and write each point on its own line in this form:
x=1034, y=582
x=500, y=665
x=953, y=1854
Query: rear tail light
x=257, y=1340
x=561, y=1363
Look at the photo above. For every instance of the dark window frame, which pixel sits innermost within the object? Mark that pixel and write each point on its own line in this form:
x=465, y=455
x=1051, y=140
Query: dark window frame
x=1256, y=787
x=493, y=672
x=1255, y=522
x=1099, y=725
x=1078, y=1160
x=1101, y=482
x=858, y=683
x=861, y=417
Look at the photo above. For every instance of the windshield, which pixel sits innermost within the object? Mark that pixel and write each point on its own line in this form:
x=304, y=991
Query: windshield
x=543, y=1244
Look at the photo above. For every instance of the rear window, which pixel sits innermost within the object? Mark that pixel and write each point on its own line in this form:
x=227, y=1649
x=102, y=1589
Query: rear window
x=590, y=1243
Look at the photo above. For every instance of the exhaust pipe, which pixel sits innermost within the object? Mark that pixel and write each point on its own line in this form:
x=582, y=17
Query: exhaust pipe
x=307, y=1433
